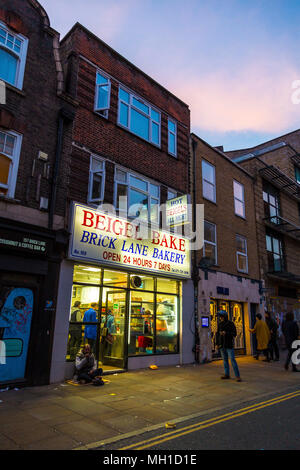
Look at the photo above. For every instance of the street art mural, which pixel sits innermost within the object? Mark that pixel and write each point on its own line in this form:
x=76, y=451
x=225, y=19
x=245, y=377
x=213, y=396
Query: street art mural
x=16, y=306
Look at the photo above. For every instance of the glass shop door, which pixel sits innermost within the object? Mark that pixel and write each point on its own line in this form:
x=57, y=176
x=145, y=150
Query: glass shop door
x=112, y=330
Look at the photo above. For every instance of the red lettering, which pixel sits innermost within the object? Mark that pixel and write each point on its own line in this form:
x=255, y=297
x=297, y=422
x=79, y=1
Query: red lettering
x=100, y=223
x=155, y=238
x=120, y=232
x=88, y=216
x=181, y=244
x=172, y=243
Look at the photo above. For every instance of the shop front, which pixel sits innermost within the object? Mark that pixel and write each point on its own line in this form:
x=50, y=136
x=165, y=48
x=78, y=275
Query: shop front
x=126, y=295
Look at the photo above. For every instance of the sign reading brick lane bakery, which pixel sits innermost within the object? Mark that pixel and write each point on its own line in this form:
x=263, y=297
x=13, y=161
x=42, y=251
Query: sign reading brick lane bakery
x=103, y=238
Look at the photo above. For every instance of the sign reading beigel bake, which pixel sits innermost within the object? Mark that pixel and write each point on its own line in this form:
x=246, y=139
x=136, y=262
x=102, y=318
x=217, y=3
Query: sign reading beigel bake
x=99, y=237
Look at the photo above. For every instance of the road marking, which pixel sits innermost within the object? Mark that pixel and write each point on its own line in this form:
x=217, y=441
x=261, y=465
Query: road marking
x=209, y=422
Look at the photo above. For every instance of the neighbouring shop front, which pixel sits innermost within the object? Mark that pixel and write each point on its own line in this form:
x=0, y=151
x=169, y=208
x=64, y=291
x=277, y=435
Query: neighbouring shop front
x=29, y=269
x=125, y=294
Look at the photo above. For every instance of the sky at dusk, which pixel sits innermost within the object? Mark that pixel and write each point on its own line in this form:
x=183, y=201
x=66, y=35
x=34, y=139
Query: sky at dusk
x=232, y=61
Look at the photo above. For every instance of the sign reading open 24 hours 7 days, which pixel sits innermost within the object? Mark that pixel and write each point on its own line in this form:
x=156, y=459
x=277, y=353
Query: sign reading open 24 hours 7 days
x=99, y=237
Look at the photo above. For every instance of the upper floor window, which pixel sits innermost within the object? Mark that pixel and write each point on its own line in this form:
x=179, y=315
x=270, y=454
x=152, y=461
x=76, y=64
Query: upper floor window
x=297, y=174
x=241, y=254
x=96, y=181
x=208, y=181
x=139, y=117
x=171, y=194
x=172, y=137
x=13, y=50
x=275, y=253
x=239, y=199
x=271, y=202
x=102, y=97
x=10, y=145
x=142, y=197
x=210, y=242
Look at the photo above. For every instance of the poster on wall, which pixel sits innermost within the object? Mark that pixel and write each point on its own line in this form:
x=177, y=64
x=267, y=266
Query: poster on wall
x=102, y=238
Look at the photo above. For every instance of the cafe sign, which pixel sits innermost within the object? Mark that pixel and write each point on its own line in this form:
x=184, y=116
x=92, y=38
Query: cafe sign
x=99, y=237
x=177, y=211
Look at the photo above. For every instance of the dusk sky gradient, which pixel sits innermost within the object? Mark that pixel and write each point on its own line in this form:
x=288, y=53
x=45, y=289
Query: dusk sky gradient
x=232, y=61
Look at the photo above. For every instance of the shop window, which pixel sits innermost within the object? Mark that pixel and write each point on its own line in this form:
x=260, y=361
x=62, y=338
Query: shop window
x=96, y=181
x=142, y=282
x=114, y=278
x=210, y=242
x=102, y=96
x=172, y=137
x=239, y=199
x=141, y=324
x=241, y=254
x=167, y=285
x=238, y=320
x=139, y=117
x=208, y=181
x=166, y=324
x=10, y=144
x=84, y=314
x=13, y=50
x=87, y=274
x=112, y=328
x=143, y=197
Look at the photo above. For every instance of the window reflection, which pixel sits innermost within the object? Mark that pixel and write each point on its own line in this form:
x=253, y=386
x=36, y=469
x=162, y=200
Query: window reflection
x=140, y=338
x=166, y=324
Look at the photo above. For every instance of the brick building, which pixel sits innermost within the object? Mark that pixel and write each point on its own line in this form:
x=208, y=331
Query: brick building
x=229, y=277
x=34, y=119
x=130, y=138
x=275, y=165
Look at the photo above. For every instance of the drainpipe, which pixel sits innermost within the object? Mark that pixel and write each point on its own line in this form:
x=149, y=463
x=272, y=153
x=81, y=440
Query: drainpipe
x=195, y=273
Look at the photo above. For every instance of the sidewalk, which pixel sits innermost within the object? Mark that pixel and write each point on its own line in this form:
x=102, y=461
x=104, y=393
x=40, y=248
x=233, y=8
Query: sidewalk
x=63, y=416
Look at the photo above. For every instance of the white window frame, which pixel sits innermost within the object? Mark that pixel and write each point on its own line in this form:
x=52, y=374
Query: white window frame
x=129, y=186
x=215, y=244
x=242, y=201
x=14, y=166
x=131, y=106
x=102, y=111
x=245, y=255
x=91, y=174
x=206, y=182
x=171, y=194
x=21, y=56
x=175, y=136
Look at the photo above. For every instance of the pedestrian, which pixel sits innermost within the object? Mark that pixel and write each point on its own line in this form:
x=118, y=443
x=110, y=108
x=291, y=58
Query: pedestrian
x=225, y=341
x=86, y=370
x=75, y=331
x=111, y=331
x=90, y=331
x=273, y=345
x=263, y=337
x=290, y=331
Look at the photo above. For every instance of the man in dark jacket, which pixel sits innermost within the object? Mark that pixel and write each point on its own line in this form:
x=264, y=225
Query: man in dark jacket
x=225, y=343
x=273, y=345
x=290, y=331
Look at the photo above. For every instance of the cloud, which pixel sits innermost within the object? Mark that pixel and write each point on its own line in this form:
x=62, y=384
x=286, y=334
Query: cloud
x=256, y=97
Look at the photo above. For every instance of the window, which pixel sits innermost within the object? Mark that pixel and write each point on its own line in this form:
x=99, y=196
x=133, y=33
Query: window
x=172, y=137
x=297, y=174
x=13, y=50
x=275, y=253
x=271, y=202
x=209, y=181
x=210, y=242
x=10, y=145
x=171, y=194
x=143, y=197
x=239, y=199
x=97, y=179
x=241, y=254
x=139, y=117
x=102, y=97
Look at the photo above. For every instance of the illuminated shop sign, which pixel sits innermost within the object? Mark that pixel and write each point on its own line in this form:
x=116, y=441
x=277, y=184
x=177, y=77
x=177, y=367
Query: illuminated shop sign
x=103, y=238
x=177, y=211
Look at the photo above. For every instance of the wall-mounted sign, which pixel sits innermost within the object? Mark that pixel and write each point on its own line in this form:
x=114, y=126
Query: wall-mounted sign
x=23, y=242
x=177, y=211
x=103, y=238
